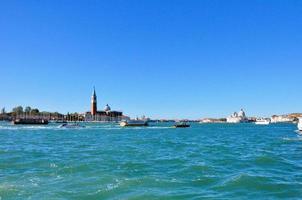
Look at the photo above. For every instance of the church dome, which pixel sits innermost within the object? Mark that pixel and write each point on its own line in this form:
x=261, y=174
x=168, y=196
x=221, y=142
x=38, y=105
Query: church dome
x=107, y=108
x=241, y=113
x=235, y=114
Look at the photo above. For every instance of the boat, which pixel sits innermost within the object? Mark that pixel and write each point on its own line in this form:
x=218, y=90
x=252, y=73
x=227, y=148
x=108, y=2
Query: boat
x=181, y=125
x=60, y=121
x=73, y=125
x=300, y=124
x=262, y=121
x=21, y=121
x=125, y=123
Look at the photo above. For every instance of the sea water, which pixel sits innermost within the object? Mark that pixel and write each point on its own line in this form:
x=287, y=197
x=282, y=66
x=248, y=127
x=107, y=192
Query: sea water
x=105, y=161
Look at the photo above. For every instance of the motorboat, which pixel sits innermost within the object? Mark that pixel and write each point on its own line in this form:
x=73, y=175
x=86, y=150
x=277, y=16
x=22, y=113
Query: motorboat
x=73, y=125
x=181, y=125
x=136, y=122
x=300, y=124
x=262, y=121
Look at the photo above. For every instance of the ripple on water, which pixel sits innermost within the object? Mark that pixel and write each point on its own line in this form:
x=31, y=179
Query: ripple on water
x=109, y=162
x=266, y=160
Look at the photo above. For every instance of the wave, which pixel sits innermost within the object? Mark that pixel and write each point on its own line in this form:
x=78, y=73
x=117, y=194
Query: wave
x=298, y=138
x=25, y=127
x=33, y=127
x=243, y=180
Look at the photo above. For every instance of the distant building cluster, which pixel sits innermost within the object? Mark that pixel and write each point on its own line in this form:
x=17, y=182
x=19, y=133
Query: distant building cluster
x=285, y=118
x=213, y=120
x=237, y=117
x=240, y=117
x=105, y=115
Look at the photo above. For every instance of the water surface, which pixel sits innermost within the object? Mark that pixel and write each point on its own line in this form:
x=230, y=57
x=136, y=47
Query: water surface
x=104, y=161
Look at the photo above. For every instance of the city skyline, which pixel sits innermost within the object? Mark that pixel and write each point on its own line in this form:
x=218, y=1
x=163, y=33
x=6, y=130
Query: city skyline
x=95, y=110
x=173, y=61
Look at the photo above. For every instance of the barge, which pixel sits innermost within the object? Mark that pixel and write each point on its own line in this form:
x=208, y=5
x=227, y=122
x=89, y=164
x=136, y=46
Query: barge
x=30, y=122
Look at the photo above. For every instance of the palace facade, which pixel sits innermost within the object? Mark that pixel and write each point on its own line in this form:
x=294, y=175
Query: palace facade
x=106, y=115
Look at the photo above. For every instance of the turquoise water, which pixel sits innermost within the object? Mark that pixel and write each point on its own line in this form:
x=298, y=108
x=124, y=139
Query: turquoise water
x=210, y=161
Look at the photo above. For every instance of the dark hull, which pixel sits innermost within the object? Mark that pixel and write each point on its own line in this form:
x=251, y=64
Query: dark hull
x=136, y=125
x=133, y=123
x=181, y=126
x=30, y=122
x=71, y=126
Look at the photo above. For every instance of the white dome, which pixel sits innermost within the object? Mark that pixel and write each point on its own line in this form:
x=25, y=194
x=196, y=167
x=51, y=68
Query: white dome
x=107, y=108
x=235, y=114
x=241, y=113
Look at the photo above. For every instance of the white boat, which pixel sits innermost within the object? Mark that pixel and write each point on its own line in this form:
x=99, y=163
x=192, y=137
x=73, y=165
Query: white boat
x=134, y=123
x=262, y=121
x=74, y=125
x=300, y=124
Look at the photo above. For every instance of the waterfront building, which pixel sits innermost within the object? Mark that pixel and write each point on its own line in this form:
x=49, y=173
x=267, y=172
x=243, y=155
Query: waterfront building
x=105, y=115
x=239, y=117
x=282, y=119
x=212, y=120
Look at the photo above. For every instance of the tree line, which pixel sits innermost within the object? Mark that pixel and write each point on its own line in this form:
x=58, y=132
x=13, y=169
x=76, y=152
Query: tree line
x=19, y=110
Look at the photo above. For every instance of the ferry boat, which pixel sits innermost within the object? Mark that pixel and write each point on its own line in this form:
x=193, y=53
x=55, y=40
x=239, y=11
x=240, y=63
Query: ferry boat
x=21, y=121
x=74, y=125
x=181, y=125
x=134, y=123
x=300, y=124
x=262, y=121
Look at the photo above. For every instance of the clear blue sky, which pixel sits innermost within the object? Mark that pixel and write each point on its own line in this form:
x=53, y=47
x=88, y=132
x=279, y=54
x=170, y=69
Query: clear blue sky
x=160, y=58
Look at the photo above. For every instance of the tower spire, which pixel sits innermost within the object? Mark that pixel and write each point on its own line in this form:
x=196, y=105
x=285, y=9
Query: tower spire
x=93, y=103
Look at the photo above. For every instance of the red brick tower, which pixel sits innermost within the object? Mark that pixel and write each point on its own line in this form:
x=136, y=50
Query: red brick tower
x=93, y=103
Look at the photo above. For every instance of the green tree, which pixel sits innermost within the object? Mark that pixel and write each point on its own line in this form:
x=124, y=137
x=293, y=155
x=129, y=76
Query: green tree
x=34, y=111
x=17, y=110
x=27, y=109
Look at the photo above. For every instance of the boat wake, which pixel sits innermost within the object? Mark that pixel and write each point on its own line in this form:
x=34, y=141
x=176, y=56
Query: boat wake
x=299, y=132
x=299, y=138
x=87, y=127
x=25, y=127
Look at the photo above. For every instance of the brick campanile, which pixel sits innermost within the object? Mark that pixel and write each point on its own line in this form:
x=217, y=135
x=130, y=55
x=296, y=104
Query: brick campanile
x=93, y=103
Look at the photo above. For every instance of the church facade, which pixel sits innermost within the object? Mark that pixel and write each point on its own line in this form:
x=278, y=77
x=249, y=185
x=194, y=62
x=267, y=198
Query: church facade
x=106, y=115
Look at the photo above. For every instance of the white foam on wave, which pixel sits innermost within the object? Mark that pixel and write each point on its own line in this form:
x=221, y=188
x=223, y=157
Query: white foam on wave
x=159, y=127
x=108, y=187
x=34, y=181
x=124, y=128
x=53, y=165
x=107, y=127
x=298, y=138
x=17, y=127
x=6, y=187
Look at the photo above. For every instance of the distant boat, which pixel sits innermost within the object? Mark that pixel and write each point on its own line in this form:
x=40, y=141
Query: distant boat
x=60, y=121
x=262, y=121
x=134, y=123
x=181, y=125
x=74, y=125
x=30, y=121
x=300, y=124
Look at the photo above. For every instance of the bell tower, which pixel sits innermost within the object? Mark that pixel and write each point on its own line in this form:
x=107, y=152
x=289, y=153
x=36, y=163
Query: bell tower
x=93, y=103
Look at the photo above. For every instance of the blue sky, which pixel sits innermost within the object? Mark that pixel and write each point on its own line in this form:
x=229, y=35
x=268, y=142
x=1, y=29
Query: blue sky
x=159, y=58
